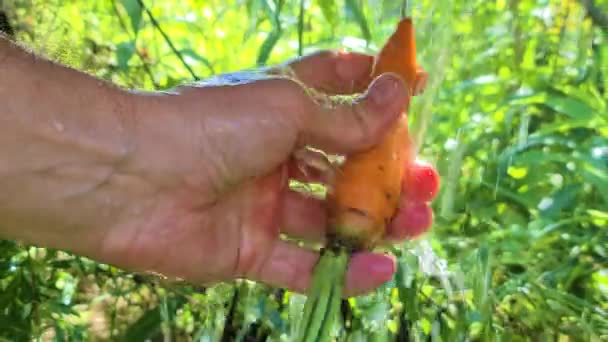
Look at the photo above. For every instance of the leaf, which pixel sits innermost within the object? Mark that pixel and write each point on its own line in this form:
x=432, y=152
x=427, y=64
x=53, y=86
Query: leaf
x=272, y=11
x=597, y=177
x=59, y=333
x=391, y=8
x=329, y=10
x=478, y=81
x=124, y=52
x=563, y=126
x=26, y=310
x=524, y=201
x=253, y=9
x=62, y=308
x=604, y=64
x=134, y=10
x=598, y=214
x=571, y=107
x=145, y=327
x=357, y=12
x=194, y=55
x=8, y=293
x=535, y=157
x=301, y=29
x=62, y=264
x=269, y=43
x=407, y=284
x=517, y=172
x=561, y=199
x=268, y=46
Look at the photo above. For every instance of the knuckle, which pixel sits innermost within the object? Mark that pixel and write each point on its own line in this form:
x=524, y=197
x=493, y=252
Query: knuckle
x=286, y=96
x=327, y=53
x=361, y=126
x=289, y=92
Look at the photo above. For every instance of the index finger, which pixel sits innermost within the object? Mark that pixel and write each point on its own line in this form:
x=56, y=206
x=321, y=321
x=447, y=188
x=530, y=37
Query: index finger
x=331, y=72
x=305, y=217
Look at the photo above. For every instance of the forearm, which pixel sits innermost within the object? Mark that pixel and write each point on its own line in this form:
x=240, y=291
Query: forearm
x=63, y=135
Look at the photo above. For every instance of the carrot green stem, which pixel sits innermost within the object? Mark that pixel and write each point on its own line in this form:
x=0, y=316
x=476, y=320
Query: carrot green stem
x=340, y=266
x=323, y=303
x=318, y=306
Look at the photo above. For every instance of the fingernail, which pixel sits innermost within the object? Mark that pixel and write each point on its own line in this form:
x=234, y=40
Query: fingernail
x=384, y=266
x=384, y=90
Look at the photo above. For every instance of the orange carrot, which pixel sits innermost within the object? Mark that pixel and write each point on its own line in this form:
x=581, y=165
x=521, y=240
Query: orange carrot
x=364, y=196
x=367, y=187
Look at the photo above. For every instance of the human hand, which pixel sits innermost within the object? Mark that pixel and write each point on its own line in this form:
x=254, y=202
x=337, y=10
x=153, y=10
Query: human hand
x=212, y=164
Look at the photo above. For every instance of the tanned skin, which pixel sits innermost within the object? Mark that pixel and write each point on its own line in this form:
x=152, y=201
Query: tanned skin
x=191, y=183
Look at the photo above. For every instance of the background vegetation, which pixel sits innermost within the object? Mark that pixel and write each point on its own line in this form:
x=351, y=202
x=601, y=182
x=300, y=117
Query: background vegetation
x=515, y=118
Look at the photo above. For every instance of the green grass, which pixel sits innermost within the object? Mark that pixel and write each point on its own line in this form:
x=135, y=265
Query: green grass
x=515, y=119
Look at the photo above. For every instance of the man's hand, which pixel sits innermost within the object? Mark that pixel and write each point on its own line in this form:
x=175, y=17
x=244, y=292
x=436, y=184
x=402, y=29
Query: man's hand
x=193, y=183
x=220, y=156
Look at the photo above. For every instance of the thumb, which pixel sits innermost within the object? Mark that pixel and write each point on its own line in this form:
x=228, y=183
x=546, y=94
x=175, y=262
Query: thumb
x=344, y=126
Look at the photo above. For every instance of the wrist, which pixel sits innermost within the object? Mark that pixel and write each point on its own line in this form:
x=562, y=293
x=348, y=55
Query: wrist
x=164, y=137
x=58, y=167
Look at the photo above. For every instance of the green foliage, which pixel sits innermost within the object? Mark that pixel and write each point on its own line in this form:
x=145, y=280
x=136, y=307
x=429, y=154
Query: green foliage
x=134, y=10
x=515, y=117
x=354, y=9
